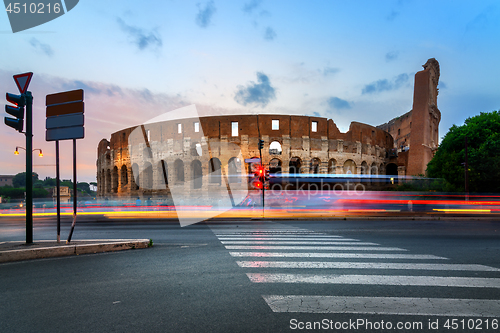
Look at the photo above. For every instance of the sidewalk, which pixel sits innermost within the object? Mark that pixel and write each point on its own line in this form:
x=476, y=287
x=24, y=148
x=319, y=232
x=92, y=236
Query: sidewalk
x=15, y=251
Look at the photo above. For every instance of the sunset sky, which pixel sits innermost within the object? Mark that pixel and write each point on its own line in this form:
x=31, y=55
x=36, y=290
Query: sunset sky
x=344, y=60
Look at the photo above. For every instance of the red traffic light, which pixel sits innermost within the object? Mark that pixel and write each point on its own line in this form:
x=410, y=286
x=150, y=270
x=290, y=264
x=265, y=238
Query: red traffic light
x=259, y=171
x=257, y=184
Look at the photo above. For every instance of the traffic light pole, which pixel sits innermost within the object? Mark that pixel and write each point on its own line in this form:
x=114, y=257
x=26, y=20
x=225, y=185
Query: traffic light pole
x=29, y=167
x=262, y=180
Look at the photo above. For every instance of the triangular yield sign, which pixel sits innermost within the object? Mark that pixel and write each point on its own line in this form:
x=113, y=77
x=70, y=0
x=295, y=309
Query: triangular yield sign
x=23, y=81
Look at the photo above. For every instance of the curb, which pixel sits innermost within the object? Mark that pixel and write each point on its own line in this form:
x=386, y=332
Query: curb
x=70, y=249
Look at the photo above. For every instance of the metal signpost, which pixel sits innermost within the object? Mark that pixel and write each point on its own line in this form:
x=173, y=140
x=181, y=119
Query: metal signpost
x=20, y=101
x=261, y=146
x=65, y=121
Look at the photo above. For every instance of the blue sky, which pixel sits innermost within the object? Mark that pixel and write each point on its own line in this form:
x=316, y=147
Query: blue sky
x=345, y=60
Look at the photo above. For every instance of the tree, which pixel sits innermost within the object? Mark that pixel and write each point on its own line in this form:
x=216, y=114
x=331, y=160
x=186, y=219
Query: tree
x=83, y=186
x=19, y=180
x=483, y=137
x=49, y=181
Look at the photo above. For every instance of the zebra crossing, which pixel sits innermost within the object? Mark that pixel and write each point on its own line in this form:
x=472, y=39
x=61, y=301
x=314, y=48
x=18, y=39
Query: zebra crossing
x=320, y=258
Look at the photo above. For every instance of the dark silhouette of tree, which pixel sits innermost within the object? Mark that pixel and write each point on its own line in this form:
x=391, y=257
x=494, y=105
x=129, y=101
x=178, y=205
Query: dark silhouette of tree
x=483, y=137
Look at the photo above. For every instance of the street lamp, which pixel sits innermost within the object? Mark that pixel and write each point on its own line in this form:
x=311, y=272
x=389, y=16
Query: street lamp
x=17, y=151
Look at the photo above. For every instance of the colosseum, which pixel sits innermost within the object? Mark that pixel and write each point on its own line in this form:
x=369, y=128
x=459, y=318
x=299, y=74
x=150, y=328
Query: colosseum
x=201, y=156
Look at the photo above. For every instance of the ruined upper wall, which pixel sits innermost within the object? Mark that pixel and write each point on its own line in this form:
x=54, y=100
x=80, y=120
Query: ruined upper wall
x=400, y=130
x=254, y=127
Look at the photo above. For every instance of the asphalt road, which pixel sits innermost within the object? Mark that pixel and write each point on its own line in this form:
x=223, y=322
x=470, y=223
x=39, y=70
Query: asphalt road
x=366, y=272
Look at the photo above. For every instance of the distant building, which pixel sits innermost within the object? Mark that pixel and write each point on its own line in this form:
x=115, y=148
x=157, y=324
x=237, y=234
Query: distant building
x=64, y=192
x=6, y=180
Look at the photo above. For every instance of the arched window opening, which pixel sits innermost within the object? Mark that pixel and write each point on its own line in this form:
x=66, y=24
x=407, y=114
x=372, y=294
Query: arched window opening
x=179, y=171
x=294, y=165
x=162, y=174
x=392, y=171
x=332, y=166
x=349, y=167
x=214, y=169
x=274, y=166
x=124, y=175
x=197, y=174
x=234, y=170
x=364, y=168
x=275, y=148
x=315, y=163
x=136, y=177
x=108, y=181
x=147, y=178
x=114, y=180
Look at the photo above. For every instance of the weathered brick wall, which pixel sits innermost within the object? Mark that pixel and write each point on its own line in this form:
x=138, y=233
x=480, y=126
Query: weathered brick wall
x=363, y=148
x=416, y=132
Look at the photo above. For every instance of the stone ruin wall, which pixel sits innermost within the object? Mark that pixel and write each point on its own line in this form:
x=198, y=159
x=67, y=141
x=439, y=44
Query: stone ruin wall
x=362, y=150
x=416, y=133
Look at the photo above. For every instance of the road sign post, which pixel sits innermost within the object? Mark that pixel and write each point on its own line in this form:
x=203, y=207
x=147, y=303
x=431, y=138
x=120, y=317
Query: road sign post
x=29, y=167
x=22, y=101
x=65, y=121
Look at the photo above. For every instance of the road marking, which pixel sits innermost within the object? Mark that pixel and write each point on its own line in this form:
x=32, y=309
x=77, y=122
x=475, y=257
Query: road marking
x=364, y=265
x=389, y=280
x=384, y=305
x=314, y=248
x=296, y=242
x=285, y=238
x=231, y=232
x=287, y=233
x=335, y=255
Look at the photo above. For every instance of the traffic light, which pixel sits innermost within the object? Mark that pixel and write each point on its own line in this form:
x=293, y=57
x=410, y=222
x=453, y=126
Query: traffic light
x=257, y=184
x=261, y=144
x=259, y=171
x=16, y=111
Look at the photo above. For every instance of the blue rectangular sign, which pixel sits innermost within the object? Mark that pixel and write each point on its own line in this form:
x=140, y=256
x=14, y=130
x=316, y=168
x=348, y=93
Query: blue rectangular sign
x=65, y=133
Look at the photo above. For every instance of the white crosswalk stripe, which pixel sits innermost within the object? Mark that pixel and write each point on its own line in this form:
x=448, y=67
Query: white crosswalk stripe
x=288, y=239
x=384, y=305
x=297, y=243
x=367, y=265
x=390, y=280
x=312, y=248
x=335, y=255
x=338, y=253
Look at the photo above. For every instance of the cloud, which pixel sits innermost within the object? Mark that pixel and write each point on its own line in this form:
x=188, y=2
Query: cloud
x=45, y=48
x=251, y=5
x=338, y=103
x=260, y=93
x=390, y=56
x=92, y=88
x=316, y=114
x=140, y=38
x=205, y=14
x=327, y=71
x=386, y=85
x=483, y=20
x=392, y=16
x=269, y=34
